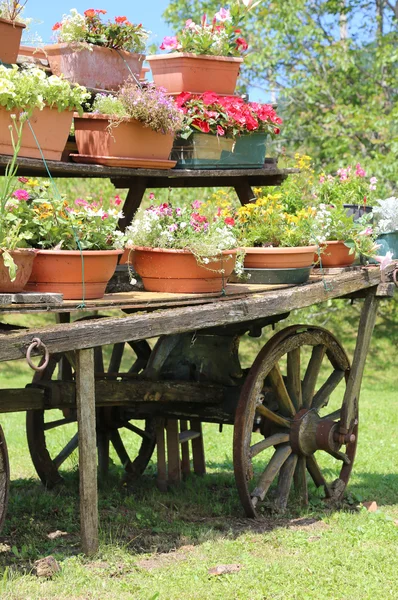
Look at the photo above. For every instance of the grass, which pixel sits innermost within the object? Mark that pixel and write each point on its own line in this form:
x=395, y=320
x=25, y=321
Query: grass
x=161, y=546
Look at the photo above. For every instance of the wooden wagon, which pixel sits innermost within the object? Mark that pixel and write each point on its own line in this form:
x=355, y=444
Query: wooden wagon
x=101, y=373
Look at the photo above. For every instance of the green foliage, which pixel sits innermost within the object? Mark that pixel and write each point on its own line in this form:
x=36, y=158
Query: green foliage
x=332, y=67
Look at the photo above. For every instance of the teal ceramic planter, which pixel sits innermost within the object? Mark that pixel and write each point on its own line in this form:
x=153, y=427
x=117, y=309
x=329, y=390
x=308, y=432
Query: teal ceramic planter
x=388, y=242
x=249, y=151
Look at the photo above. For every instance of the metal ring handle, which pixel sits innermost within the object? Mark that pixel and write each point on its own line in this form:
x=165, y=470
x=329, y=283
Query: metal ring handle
x=37, y=343
x=394, y=277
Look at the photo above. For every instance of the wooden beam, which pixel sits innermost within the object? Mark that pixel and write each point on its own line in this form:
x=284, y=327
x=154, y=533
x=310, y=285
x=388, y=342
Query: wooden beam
x=85, y=334
x=85, y=399
x=132, y=202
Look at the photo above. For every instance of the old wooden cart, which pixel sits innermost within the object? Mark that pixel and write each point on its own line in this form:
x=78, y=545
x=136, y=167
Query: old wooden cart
x=101, y=373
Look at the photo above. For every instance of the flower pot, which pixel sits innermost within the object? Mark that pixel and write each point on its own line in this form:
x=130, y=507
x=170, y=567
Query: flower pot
x=23, y=259
x=203, y=151
x=10, y=39
x=183, y=72
x=61, y=271
x=130, y=139
x=249, y=151
x=335, y=254
x=93, y=66
x=388, y=242
x=177, y=271
x=279, y=258
x=357, y=210
x=51, y=129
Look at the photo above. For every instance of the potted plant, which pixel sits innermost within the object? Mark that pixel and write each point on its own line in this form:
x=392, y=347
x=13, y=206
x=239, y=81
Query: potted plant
x=205, y=55
x=274, y=239
x=340, y=237
x=182, y=249
x=78, y=243
x=136, y=123
x=10, y=30
x=223, y=131
x=386, y=221
x=46, y=105
x=17, y=256
x=96, y=54
x=349, y=187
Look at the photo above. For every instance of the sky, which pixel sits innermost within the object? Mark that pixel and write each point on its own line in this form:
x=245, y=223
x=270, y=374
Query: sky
x=148, y=12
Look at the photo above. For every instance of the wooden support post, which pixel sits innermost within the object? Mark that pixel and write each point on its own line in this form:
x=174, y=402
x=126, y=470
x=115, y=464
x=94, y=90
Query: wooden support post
x=351, y=397
x=173, y=451
x=85, y=400
x=244, y=191
x=198, y=451
x=185, y=464
x=161, y=479
x=132, y=202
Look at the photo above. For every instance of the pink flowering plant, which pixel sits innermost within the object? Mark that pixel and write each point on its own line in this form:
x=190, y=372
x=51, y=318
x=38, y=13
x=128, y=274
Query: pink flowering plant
x=201, y=229
x=350, y=185
x=219, y=35
x=89, y=28
x=228, y=116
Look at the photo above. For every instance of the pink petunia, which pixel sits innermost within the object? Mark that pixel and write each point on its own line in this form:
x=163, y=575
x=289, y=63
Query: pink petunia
x=169, y=43
x=21, y=195
x=197, y=204
x=224, y=14
x=359, y=171
x=81, y=202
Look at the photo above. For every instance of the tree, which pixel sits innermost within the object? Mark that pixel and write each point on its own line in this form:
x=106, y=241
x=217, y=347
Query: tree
x=331, y=65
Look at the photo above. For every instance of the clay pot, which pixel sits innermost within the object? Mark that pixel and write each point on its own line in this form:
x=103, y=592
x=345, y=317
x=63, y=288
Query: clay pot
x=335, y=254
x=177, y=271
x=51, y=129
x=23, y=258
x=10, y=38
x=279, y=258
x=183, y=72
x=130, y=139
x=37, y=54
x=61, y=271
x=93, y=66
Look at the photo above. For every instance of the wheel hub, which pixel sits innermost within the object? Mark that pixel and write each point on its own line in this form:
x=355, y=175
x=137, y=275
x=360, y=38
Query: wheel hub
x=310, y=433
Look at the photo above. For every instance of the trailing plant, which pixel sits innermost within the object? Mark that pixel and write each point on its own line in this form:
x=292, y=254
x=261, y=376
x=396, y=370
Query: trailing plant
x=199, y=229
x=89, y=28
x=228, y=116
x=12, y=9
x=149, y=105
x=386, y=214
x=219, y=36
x=30, y=88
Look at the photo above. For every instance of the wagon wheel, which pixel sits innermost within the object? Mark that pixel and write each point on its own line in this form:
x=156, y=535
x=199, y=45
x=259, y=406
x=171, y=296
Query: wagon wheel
x=287, y=413
x=4, y=477
x=49, y=453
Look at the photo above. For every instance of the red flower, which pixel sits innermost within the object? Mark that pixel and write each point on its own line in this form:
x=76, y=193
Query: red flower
x=277, y=130
x=57, y=26
x=210, y=98
x=241, y=44
x=100, y=11
x=229, y=221
x=202, y=125
x=182, y=98
x=220, y=130
x=120, y=20
x=90, y=13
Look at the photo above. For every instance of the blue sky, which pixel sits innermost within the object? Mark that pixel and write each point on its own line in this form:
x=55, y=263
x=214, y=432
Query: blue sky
x=147, y=12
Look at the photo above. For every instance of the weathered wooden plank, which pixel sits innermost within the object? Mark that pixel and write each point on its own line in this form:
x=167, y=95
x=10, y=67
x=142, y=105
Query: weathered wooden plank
x=198, y=449
x=85, y=400
x=312, y=374
x=85, y=334
x=285, y=481
x=21, y=399
x=293, y=383
x=271, y=471
x=286, y=406
x=161, y=477
x=132, y=202
x=184, y=437
x=173, y=452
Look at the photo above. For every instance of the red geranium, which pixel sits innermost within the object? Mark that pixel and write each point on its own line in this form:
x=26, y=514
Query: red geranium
x=120, y=20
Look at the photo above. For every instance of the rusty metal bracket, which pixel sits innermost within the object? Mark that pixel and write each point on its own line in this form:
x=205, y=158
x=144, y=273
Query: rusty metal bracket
x=37, y=344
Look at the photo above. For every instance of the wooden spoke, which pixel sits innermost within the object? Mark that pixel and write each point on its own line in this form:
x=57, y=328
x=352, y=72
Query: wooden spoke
x=321, y=398
x=58, y=423
x=312, y=374
x=334, y=416
x=98, y=360
x=66, y=451
x=285, y=404
x=269, y=414
x=120, y=448
x=300, y=480
x=293, y=383
x=340, y=456
x=116, y=358
x=137, y=430
x=316, y=474
x=285, y=481
x=273, y=440
x=270, y=472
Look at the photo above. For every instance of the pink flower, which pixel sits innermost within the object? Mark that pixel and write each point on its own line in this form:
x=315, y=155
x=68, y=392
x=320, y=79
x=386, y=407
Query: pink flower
x=373, y=180
x=173, y=227
x=169, y=43
x=322, y=179
x=104, y=216
x=241, y=44
x=384, y=260
x=151, y=196
x=25, y=180
x=189, y=24
x=197, y=204
x=224, y=14
x=21, y=195
x=220, y=130
x=229, y=221
x=117, y=200
x=372, y=188
x=81, y=202
x=359, y=172
x=178, y=211
x=367, y=231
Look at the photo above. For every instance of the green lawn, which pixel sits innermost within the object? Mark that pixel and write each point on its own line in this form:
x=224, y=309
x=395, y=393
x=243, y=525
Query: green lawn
x=157, y=545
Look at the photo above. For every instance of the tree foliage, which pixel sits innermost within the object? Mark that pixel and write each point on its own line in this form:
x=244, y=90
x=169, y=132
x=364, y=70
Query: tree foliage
x=332, y=67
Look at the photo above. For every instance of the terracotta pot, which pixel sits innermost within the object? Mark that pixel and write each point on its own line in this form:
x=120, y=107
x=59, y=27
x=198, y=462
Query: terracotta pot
x=61, y=271
x=51, y=129
x=23, y=258
x=279, y=258
x=335, y=254
x=176, y=271
x=10, y=38
x=34, y=52
x=206, y=146
x=183, y=72
x=130, y=139
x=94, y=66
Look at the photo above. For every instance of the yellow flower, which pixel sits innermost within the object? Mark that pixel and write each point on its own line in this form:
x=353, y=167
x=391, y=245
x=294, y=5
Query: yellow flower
x=33, y=183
